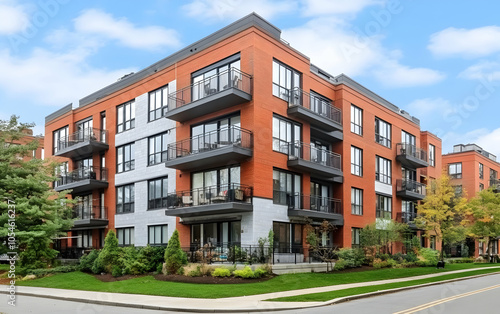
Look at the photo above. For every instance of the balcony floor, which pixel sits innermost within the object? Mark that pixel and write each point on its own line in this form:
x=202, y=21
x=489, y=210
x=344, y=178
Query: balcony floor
x=84, y=148
x=414, y=196
x=337, y=219
x=82, y=186
x=211, y=158
x=211, y=209
x=315, y=119
x=411, y=162
x=89, y=223
x=314, y=168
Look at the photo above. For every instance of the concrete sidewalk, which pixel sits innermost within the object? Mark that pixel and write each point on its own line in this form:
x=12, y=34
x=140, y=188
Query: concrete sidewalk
x=235, y=304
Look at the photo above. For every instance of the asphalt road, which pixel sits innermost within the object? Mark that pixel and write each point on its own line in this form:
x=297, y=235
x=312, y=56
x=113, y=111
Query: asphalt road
x=462, y=297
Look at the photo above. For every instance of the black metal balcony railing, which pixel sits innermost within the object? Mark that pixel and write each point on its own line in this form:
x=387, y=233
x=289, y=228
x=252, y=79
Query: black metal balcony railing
x=217, y=194
x=85, y=173
x=495, y=184
x=406, y=217
x=231, y=78
x=410, y=186
x=90, y=212
x=411, y=150
x=319, y=156
x=316, y=104
x=309, y=202
x=224, y=137
x=84, y=135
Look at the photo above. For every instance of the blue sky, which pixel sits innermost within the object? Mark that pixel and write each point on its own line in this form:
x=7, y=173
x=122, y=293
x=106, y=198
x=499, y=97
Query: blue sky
x=438, y=60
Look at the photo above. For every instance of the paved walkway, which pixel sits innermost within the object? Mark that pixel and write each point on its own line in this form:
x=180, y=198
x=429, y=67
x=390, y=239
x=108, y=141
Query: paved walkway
x=234, y=304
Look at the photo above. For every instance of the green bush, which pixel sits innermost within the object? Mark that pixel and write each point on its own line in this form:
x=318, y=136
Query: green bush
x=411, y=257
x=383, y=257
x=221, y=272
x=152, y=257
x=132, y=262
x=116, y=271
x=461, y=260
x=87, y=261
x=40, y=272
x=260, y=272
x=175, y=258
x=340, y=265
x=196, y=272
x=378, y=263
x=352, y=257
x=391, y=262
x=109, y=255
x=98, y=266
x=430, y=257
x=244, y=273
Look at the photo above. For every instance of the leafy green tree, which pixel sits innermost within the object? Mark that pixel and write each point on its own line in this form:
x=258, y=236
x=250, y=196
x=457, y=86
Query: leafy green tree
x=374, y=237
x=443, y=212
x=175, y=258
x=484, y=212
x=41, y=214
x=109, y=255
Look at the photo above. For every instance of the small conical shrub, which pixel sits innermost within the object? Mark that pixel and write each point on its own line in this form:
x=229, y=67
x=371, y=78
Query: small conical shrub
x=175, y=258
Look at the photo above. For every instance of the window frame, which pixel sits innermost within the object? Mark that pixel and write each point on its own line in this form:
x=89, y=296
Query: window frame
x=387, y=206
x=152, y=202
x=290, y=126
x=55, y=144
x=120, y=234
x=122, y=126
x=355, y=237
x=121, y=166
x=383, y=140
x=481, y=171
x=155, y=112
x=152, y=149
x=432, y=155
x=284, y=91
x=380, y=176
x=295, y=177
x=354, y=158
x=356, y=195
x=456, y=174
x=120, y=207
x=356, y=120
x=162, y=234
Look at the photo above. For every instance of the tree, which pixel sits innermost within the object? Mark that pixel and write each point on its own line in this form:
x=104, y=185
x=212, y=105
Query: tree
x=443, y=212
x=39, y=214
x=175, y=258
x=484, y=211
x=314, y=237
x=374, y=237
x=109, y=255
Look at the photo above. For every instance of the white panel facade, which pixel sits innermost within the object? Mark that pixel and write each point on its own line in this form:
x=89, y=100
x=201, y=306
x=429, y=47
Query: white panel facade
x=383, y=188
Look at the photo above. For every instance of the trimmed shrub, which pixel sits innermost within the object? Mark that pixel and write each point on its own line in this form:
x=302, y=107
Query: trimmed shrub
x=461, y=260
x=87, y=261
x=98, y=266
x=244, y=273
x=196, y=272
x=152, y=257
x=340, y=265
x=221, y=272
x=260, y=272
x=379, y=263
x=429, y=257
x=116, y=271
x=109, y=255
x=352, y=257
x=411, y=257
x=175, y=258
x=40, y=272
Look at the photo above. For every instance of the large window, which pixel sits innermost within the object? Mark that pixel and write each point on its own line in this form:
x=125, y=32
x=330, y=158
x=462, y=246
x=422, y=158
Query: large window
x=84, y=130
x=125, y=158
x=284, y=133
x=59, y=136
x=216, y=131
x=287, y=237
x=285, y=186
x=455, y=170
x=285, y=79
x=432, y=155
x=356, y=161
x=84, y=239
x=157, y=149
x=493, y=174
x=382, y=170
x=158, y=99
x=125, y=236
x=383, y=207
x=408, y=138
x=125, y=199
x=125, y=116
x=355, y=237
x=157, y=193
x=217, y=77
x=356, y=120
x=356, y=201
x=382, y=132
x=158, y=235
x=222, y=233
x=481, y=171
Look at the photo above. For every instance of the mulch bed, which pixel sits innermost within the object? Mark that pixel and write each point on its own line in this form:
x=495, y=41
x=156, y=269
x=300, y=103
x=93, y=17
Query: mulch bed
x=209, y=279
x=110, y=278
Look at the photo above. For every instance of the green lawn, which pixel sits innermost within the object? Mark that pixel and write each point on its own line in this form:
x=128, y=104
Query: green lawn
x=148, y=285
x=325, y=296
x=4, y=267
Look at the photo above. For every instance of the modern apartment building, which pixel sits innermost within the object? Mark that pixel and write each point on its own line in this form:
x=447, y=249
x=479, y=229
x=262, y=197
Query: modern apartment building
x=236, y=135
x=471, y=170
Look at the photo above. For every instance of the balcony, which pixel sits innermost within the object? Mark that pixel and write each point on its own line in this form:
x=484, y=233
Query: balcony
x=88, y=217
x=318, y=111
x=318, y=162
x=407, y=218
x=82, y=180
x=212, y=149
x=219, y=199
x=411, y=156
x=311, y=206
x=410, y=189
x=495, y=185
x=220, y=91
x=83, y=143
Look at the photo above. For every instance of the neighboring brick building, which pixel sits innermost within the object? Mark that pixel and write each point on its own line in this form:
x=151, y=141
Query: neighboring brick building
x=471, y=170
x=260, y=139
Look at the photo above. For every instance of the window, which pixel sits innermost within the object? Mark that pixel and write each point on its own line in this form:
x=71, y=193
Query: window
x=285, y=79
x=220, y=131
x=217, y=77
x=158, y=235
x=432, y=155
x=494, y=246
x=356, y=161
x=125, y=158
x=481, y=186
x=157, y=193
x=382, y=132
x=455, y=170
x=481, y=248
x=322, y=106
x=355, y=235
x=409, y=210
x=125, y=236
x=356, y=120
x=382, y=170
x=481, y=171
x=383, y=207
x=408, y=138
x=103, y=127
x=85, y=130
x=284, y=133
x=433, y=242
x=158, y=99
x=60, y=138
x=125, y=116
x=286, y=234
x=84, y=239
x=125, y=199
x=356, y=201
x=493, y=174
x=157, y=149
x=285, y=186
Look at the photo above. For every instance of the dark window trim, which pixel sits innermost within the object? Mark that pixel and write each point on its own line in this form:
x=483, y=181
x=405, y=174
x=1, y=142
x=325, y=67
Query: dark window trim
x=132, y=203
x=387, y=139
x=230, y=59
x=131, y=161
x=161, y=236
x=353, y=123
x=163, y=151
x=353, y=205
x=162, y=198
x=163, y=106
x=294, y=123
x=132, y=125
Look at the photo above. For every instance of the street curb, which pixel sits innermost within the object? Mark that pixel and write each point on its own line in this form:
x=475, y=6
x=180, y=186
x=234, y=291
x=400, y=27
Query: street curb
x=330, y=302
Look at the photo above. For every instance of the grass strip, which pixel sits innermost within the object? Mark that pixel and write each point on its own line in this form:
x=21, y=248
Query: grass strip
x=326, y=296
x=149, y=286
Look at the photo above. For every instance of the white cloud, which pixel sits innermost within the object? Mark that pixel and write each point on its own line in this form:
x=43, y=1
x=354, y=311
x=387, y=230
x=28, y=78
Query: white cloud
x=53, y=79
x=212, y=11
x=329, y=7
x=329, y=43
x=485, y=69
x=430, y=108
x=466, y=43
x=101, y=24
x=13, y=18
x=486, y=139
